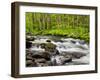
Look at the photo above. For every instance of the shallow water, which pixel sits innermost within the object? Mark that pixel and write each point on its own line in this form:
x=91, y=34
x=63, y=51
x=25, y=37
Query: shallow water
x=64, y=46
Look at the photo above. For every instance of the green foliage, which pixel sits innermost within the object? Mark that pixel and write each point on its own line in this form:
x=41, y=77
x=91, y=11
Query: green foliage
x=76, y=26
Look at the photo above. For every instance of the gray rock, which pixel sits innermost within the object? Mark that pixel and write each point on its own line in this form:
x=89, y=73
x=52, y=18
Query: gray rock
x=44, y=55
x=30, y=38
x=48, y=40
x=82, y=42
x=29, y=57
x=78, y=55
x=30, y=63
x=41, y=60
x=73, y=41
x=42, y=64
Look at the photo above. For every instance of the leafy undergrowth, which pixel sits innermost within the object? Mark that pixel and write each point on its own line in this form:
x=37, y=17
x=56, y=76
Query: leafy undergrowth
x=78, y=32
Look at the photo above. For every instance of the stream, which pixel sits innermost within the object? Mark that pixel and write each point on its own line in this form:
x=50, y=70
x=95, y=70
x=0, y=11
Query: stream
x=65, y=51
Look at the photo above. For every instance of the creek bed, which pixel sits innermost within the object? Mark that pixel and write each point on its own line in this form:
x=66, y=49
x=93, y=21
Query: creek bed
x=62, y=51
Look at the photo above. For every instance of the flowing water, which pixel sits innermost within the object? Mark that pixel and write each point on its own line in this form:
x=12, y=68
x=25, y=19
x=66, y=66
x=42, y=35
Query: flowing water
x=64, y=46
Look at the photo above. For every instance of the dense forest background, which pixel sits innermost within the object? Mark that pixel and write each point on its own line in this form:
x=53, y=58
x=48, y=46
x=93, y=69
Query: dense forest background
x=67, y=25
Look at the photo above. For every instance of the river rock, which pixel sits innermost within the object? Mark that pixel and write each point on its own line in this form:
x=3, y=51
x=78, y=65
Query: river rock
x=28, y=52
x=78, y=55
x=81, y=41
x=50, y=48
x=30, y=63
x=44, y=55
x=48, y=40
x=41, y=60
x=30, y=38
x=28, y=44
x=28, y=55
x=73, y=41
x=42, y=64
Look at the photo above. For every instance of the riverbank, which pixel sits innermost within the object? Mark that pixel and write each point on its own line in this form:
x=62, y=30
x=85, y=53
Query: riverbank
x=76, y=33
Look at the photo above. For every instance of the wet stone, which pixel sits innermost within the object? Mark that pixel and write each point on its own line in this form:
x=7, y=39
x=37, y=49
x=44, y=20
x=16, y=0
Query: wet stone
x=82, y=42
x=48, y=40
x=30, y=38
x=78, y=55
x=41, y=60
x=29, y=57
x=28, y=44
x=42, y=64
x=73, y=41
x=44, y=55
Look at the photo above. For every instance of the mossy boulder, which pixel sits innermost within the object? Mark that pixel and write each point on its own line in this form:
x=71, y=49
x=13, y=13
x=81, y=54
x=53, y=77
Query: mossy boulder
x=50, y=47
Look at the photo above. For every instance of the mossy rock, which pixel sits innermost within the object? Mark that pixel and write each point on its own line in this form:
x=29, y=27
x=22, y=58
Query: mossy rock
x=50, y=47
